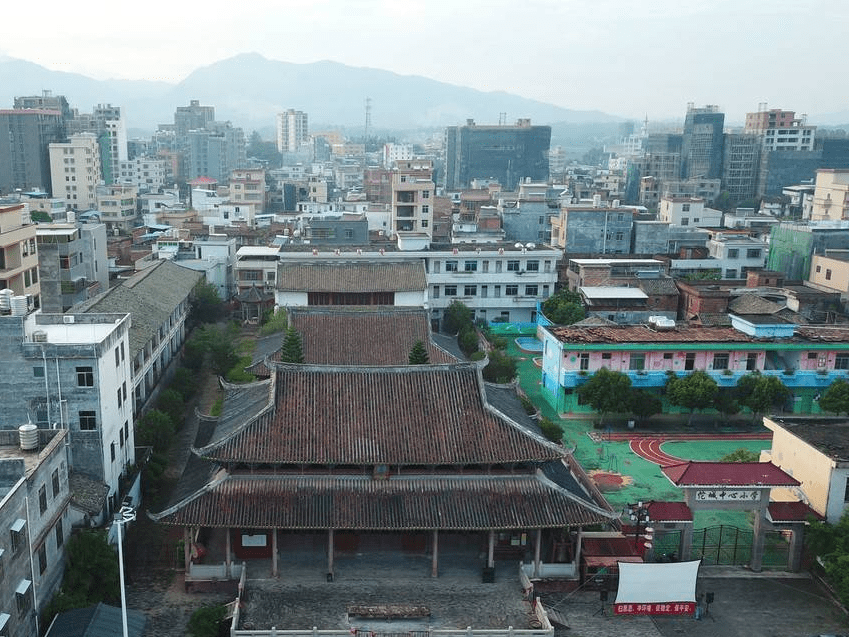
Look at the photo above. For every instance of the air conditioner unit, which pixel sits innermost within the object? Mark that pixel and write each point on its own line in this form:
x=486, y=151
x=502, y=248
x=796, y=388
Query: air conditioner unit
x=68, y=319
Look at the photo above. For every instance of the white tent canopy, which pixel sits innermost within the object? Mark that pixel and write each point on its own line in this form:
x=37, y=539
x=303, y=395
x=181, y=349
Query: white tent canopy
x=657, y=583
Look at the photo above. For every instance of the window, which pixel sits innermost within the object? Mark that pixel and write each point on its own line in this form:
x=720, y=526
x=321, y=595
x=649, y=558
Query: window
x=819, y=269
x=42, y=559
x=117, y=357
x=121, y=438
x=484, y=291
x=450, y=290
x=731, y=273
x=122, y=351
x=685, y=207
x=120, y=402
x=846, y=491
x=124, y=390
x=733, y=253
x=425, y=210
x=531, y=290
x=511, y=290
x=60, y=536
x=827, y=274
x=436, y=267
x=436, y=291
x=584, y=359
x=689, y=361
x=470, y=290
x=618, y=236
x=685, y=221
x=16, y=537
x=667, y=356
x=841, y=361
x=497, y=291
x=22, y=597
x=451, y=266
x=753, y=253
x=637, y=362
x=532, y=266
x=512, y=266
x=545, y=290
x=486, y=266
x=424, y=223
x=112, y=451
x=127, y=431
x=720, y=361
x=85, y=377
x=56, y=486
x=751, y=361
x=42, y=499
x=88, y=421
x=498, y=266
x=425, y=194
x=38, y=372
x=470, y=266
x=605, y=356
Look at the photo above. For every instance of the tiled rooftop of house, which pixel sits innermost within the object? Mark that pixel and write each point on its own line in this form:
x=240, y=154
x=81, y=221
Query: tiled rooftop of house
x=642, y=334
x=728, y=474
x=352, y=277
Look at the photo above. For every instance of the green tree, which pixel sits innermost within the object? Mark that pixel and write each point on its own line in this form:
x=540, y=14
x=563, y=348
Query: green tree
x=91, y=574
x=457, y=316
x=759, y=392
x=418, y=355
x=171, y=402
x=293, y=350
x=726, y=402
x=500, y=369
x=206, y=305
x=564, y=308
x=184, y=381
x=693, y=391
x=467, y=339
x=644, y=404
x=550, y=430
x=39, y=216
x=830, y=542
x=836, y=398
x=156, y=429
x=265, y=151
x=741, y=455
x=604, y=392
x=206, y=621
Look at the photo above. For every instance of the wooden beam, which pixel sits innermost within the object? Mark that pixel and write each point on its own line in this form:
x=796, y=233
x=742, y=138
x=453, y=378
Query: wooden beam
x=536, y=553
x=434, y=566
x=330, y=552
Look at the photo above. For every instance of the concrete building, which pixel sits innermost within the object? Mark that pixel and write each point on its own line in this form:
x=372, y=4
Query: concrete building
x=214, y=255
x=412, y=202
x=831, y=196
x=508, y=154
x=730, y=255
x=192, y=117
x=527, y=216
x=26, y=163
x=780, y=130
x=701, y=143
x=214, y=152
x=19, y=255
x=35, y=510
x=741, y=165
x=610, y=272
x=75, y=171
x=688, y=211
x=73, y=263
x=73, y=372
x=247, y=186
x=597, y=228
x=396, y=152
x=107, y=123
x=117, y=206
x=292, y=131
x=144, y=172
x=158, y=298
x=831, y=270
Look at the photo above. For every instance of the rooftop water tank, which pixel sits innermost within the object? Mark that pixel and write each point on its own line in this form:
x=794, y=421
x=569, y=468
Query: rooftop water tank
x=29, y=437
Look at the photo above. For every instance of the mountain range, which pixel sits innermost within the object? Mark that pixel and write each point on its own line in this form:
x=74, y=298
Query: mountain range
x=249, y=90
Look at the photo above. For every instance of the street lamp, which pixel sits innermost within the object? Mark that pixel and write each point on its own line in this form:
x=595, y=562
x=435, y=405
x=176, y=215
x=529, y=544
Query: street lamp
x=639, y=514
x=125, y=515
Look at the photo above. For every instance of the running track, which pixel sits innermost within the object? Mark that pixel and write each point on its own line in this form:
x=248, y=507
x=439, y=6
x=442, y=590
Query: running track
x=648, y=446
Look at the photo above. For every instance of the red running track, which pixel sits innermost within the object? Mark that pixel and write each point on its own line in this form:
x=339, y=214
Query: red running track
x=647, y=446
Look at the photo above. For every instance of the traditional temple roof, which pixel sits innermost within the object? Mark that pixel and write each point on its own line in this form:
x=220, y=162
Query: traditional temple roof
x=403, y=503
x=728, y=474
x=411, y=415
x=352, y=276
x=789, y=512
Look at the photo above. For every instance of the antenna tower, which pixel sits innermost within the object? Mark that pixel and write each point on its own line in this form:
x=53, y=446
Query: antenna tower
x=502, y=119
x=368, y=117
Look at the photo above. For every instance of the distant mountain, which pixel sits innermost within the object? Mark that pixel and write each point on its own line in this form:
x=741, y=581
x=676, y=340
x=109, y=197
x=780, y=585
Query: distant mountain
x=250, y=90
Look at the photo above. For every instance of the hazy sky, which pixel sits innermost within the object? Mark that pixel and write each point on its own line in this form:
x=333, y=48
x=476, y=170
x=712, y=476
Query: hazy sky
x=624, y=57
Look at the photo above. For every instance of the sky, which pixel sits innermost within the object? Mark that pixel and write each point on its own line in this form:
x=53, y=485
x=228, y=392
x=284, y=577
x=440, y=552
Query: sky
x=632, y=58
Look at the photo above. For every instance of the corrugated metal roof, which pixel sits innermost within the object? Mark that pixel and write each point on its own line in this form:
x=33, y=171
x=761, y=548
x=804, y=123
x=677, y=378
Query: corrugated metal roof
x=352, y=276
x=410, y=415
x=398, y=503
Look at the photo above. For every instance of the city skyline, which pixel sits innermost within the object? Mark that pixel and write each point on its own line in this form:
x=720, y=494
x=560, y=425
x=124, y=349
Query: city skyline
x=613, y=56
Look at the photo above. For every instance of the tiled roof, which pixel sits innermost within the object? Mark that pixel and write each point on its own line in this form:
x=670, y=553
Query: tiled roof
x=728, y=474
x=87, y=494
x=641, y=334
x=752, y=304
x=364, y=336
x=669, y=512
x=660, y=286
x=352, y=276
x=150, y=296
x=410, y=415
x=357, y=502
x=826, y=334
x=714, y=319
x=97, y=621
x=829, y=436
x=792, y=512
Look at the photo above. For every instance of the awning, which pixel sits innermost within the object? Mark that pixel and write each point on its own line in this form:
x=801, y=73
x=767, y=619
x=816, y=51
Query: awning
x=23, y=587
x=4, y=617
x=19, y=524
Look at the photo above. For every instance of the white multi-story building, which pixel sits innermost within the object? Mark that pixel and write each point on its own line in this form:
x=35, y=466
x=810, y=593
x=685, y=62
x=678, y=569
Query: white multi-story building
x=688, y=211
x=117, y=207
x=292, y=130
x=75, y=170
x=396, y=152
x=247, y=186
x=146, y=173
x=412, y=204
x=731, y=257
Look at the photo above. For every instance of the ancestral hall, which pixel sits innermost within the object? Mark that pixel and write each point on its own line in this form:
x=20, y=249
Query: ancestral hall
x=413, y=455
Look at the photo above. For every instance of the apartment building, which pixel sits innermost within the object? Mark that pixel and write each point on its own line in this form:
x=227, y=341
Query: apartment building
x=26, y=165
x=412, y=201
x=73, y=263
x=75, y=171
x=247, y=186
x=597, y=228
x=292, y=130
x=19, y=254
x=688, y=211
x=117, y=205
x=831, y=195
x=148, y=174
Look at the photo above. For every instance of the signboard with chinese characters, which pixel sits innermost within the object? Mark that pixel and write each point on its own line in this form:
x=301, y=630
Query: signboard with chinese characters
x=728, y=495
x=656, y=608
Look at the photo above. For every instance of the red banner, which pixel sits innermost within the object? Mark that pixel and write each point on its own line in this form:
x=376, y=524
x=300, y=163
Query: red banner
x=656, y=608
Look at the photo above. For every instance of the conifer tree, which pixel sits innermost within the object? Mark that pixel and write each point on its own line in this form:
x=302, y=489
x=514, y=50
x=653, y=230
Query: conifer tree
x=292, y=351
x=418, y=355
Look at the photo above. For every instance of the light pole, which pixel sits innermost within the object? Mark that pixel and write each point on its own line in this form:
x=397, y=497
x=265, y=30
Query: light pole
x=125, y=515
x=639, y=514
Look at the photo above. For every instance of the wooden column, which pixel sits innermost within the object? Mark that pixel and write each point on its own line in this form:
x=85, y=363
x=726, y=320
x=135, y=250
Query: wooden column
x=227, y=560
x=490, y=556
x=434, y=564
x=578, y=548
x=187, y=548
x=274, y=553
x=537, y=543
x=330, y=552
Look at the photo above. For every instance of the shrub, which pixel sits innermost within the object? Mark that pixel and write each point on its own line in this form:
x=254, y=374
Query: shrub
x=237, y=373
x=550, y=430
x=217, y=406
x=468, y=340
x=529, y=407
x=477, y=356
x=276, y=322
x=205, y=621
x=184, y=382
x=501, y=368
